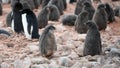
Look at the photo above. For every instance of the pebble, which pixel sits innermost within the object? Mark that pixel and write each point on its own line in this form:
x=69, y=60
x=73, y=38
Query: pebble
x=65, y=61
x=5, y=65
x=40, y=60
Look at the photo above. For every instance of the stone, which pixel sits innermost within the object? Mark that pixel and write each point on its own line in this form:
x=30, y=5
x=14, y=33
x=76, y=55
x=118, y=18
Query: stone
x=92, y=58
x=1, y=59
x=79, y=50
x=5, y=65
x=40, y=66
x=53, y=65
x=92, y=65
x=65, y=61
x=26, y=63
x=18, y=63
x=40, y=60
x=113, y=52
x=79, y=37
x=70, y=43
x=77, y=65
x=33, y=48
x=110, y=66
x=73, y=55
x=60, y=28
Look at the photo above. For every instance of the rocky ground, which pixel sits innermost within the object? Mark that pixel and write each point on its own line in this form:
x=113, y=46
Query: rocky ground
x=18, y=52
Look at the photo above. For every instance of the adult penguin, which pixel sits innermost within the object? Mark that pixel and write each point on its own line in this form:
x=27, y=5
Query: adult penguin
x=16, y=17
x=30, y=24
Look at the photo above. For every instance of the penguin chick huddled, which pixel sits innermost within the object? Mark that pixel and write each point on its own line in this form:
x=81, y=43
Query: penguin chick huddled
x=100, y=17
x=92, y=44
x=47, y=43
x=80, y=26
x=43, y=17
x=68, y=19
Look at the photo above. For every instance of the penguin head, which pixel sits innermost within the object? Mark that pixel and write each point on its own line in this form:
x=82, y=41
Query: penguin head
x=50, y=28
x=107, y=6
x=86, y=3
x=26, y=6
x=101, y=6
x=17, y=6
x=91, y=24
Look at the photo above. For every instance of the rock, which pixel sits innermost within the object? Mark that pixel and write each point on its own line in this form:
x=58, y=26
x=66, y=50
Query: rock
x=77, y=65
x=116, y=60
x=5, y=65
x=26, y=63
x=40, y=66
x=1, y=59
x=53, y=64
x=70, y=43
x=59, y=40
x=33, y=48
x=18, y=63
x=110, y=66
x=40, y=60
x=79, y=50
x=65, y=61
x=73, y=55
x=66, y=36
x=113, y=52
x=92, y=58
x=65, y=50
x=91, y=65
x=60, y=28
x=83, y=60
x=79, y=37
x=2, y=46
x=117, y=42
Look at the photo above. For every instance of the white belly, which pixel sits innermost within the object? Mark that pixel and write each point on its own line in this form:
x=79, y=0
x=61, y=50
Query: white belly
x=25, y=26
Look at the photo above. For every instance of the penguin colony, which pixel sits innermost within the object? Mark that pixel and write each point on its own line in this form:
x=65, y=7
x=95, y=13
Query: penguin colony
x=86, y=19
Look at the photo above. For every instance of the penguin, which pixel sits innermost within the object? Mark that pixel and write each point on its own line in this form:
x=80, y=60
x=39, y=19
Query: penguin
x=30, y=24
x=16, y=22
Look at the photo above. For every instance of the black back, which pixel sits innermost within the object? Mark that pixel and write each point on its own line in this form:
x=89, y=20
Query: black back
x=32, y=21
x=17, y=17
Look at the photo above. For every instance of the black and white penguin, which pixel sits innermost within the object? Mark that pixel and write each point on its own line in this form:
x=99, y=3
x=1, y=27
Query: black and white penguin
x=16, y=23
x=30, y=24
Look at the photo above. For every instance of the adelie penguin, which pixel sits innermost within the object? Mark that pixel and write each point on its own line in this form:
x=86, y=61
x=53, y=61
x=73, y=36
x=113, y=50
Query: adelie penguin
x=68, y=19
x=80, y=26
x=54, y=13
x=47, y=43
x=100, y=17
x=9, y=19
x=59, y=4
x=79, y=6
x=92, y=44
x=30, y=24
x=110, y=13
x=17, y=18
x=43, y=17
x=89, y=8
